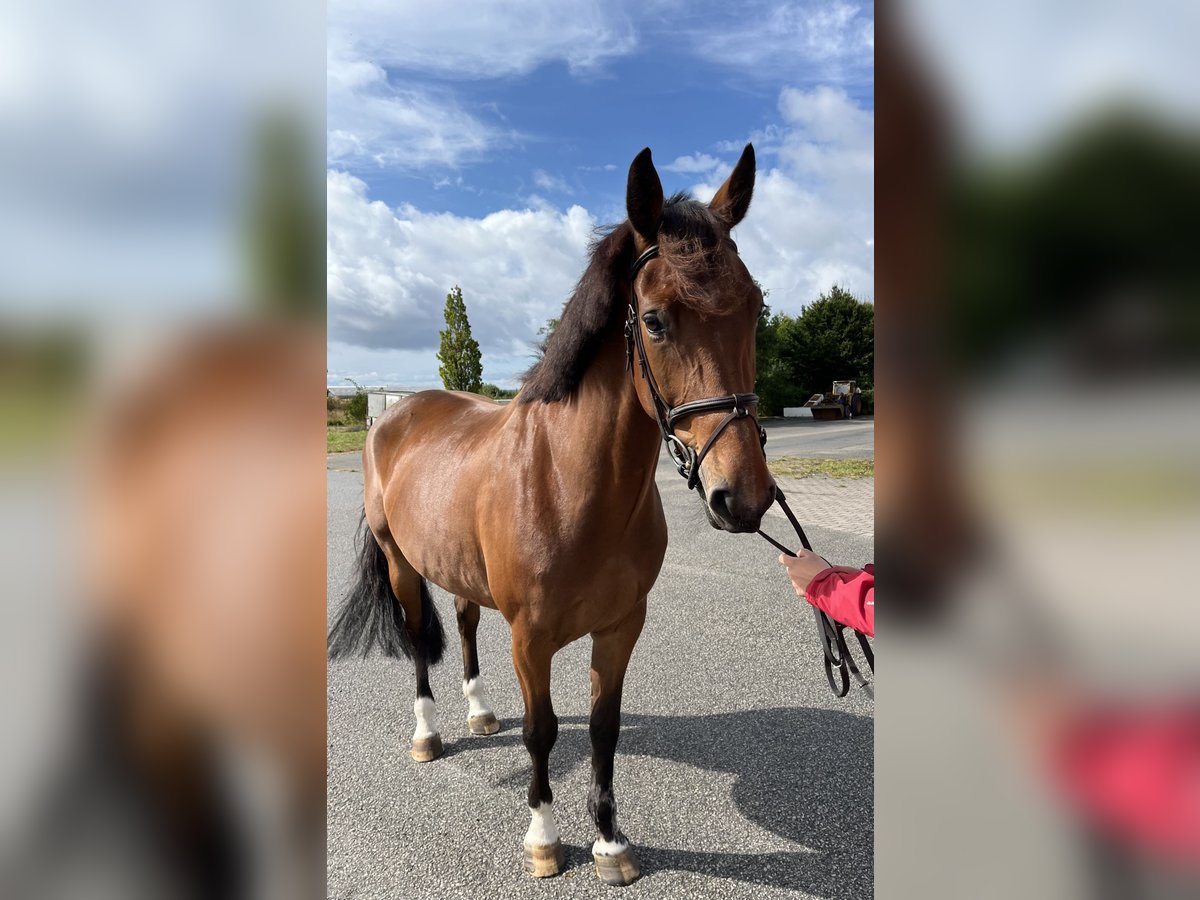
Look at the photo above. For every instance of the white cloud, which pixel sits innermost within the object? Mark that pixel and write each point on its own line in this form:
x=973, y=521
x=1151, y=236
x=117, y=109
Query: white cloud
x=486, y=40
x=548, y=182
x=816, y=39
x=830, y=140
x=382, y=368
x=798, y=242
x=827, y=114
x=380, y=51
x=694, y=163
x=389, y=271
x=382, y=111
x=811, y=223
x=373, y=121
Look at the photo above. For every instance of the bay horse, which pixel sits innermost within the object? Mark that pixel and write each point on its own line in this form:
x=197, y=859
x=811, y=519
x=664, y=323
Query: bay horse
x=547, y=509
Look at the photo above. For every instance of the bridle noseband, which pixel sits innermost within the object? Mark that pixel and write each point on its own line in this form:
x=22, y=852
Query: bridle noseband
x=687, y=462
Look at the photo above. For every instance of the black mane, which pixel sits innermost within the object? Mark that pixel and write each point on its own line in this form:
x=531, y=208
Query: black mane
x=598, y=302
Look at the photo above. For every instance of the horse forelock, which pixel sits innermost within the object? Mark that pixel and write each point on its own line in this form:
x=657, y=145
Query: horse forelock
x=692, y=242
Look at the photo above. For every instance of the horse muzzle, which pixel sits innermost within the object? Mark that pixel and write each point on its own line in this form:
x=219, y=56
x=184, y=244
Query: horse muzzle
x=736, y=511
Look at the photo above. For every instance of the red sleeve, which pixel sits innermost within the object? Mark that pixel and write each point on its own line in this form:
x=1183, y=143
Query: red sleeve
x=846, y=596
x=1134, y=773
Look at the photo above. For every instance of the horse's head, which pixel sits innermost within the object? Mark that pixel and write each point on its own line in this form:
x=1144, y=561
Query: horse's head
x=698, y=312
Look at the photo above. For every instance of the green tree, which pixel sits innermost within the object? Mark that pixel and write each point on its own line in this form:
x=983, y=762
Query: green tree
x=798, y=356
x=838, y=338
x=779, y=346
x=461, y=363
x=772, y=377
x=356, y=406
x=539, y=348
x=496, y=393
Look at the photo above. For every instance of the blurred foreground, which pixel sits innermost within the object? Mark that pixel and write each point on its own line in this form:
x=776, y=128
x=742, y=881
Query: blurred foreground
x=1038, y=451
x=161, y=446
x=164, y=666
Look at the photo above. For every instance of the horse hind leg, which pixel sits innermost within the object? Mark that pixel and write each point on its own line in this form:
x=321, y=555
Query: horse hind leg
x=425, y=637
x=390, y=608
x=428, y=641
x=480, y=717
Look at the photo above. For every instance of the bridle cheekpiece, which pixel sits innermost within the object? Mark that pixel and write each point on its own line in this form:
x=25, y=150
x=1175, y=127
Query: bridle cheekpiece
x=687, y=460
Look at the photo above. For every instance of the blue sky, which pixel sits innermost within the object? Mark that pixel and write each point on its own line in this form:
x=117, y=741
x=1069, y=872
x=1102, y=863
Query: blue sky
x=484, y=146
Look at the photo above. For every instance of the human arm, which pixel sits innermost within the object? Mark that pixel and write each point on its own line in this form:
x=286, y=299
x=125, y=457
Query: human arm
x=844, y=594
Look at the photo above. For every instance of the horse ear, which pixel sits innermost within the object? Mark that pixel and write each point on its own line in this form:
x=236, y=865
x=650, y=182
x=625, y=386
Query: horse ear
x=644, y=197
x=733, y=197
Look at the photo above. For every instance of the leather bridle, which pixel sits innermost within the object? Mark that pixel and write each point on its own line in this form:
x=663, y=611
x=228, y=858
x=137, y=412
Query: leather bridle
x=687, y=463
x=687, y=460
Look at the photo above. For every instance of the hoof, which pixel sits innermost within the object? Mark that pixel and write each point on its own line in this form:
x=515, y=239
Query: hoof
x=484, y=724
x=544, y=861
x=618, y=868
x=427, y=748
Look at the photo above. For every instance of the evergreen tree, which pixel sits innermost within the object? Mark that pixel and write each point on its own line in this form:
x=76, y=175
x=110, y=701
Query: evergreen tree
x=461, y=363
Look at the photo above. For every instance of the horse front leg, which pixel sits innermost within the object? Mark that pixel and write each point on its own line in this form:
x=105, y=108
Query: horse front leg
x=532, y=654
x=615, y=860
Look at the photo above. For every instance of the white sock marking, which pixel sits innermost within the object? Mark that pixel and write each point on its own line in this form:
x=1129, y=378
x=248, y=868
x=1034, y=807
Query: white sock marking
x=476, y=698
x=426, y=712
x=543, y=831
x=610, y=848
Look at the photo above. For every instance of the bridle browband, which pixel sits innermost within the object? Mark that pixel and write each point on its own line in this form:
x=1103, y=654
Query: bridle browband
x=687, y=463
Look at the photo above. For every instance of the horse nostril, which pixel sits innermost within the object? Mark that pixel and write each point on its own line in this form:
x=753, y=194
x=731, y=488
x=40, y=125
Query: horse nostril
x=718, y=501
x=767, y=502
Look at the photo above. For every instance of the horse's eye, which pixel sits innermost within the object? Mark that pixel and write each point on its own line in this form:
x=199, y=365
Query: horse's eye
x=654, y=324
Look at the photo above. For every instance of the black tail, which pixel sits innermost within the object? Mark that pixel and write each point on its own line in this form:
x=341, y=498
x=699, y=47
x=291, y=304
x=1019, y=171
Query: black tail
x=373, y=617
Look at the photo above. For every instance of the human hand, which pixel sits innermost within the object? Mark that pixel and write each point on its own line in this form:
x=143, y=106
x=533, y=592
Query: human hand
x=803, y=568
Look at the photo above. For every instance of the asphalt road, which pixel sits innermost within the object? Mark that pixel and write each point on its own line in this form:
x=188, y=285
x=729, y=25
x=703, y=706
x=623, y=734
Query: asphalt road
x=738, y=773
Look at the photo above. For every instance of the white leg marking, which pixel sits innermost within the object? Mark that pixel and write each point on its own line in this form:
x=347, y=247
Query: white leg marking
x=426, y=712
x=542, y=829
x=610, y=848
x=476, y=698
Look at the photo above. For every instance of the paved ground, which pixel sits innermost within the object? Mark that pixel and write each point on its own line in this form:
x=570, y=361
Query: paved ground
x=738, y=773
x=843, y=504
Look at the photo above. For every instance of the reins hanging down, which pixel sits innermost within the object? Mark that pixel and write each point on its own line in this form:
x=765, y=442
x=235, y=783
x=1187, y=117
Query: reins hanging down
x=831, y=633
x=687, y=463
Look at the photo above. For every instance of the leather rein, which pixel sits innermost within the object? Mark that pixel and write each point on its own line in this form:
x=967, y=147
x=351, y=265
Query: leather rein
x=687, y=463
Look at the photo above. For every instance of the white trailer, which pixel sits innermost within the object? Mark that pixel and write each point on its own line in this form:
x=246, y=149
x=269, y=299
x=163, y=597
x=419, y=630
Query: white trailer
x=378, y=401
